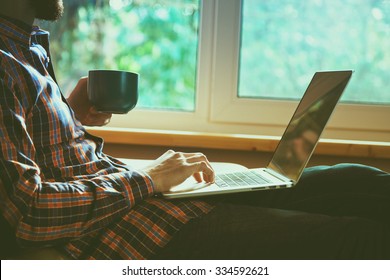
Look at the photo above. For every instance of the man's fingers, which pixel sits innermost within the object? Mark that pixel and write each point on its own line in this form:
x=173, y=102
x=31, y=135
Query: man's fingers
x=173, y=168
x=97, y=118
x=198, y=163
x=94, y=112
x=197, y=157
x=198, y=177
x=205, y=168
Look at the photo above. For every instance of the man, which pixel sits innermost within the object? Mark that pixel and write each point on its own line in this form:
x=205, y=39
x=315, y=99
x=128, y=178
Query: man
x=56, y=182
x=57, y=187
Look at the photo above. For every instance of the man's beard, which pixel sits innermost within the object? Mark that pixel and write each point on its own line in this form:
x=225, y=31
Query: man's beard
x=47, y=9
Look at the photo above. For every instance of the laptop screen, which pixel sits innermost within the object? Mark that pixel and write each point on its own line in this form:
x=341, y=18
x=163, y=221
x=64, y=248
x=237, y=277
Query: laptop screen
x=309, y=120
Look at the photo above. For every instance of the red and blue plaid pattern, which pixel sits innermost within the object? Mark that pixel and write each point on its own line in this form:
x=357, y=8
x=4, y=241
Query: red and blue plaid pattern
x=57, y=187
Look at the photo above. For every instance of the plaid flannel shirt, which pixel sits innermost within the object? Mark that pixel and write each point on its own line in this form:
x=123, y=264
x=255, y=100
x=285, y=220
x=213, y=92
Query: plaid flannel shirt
x=57, y=187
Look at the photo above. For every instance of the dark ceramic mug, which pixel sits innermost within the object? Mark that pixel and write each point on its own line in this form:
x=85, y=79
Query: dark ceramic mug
x=113, y=91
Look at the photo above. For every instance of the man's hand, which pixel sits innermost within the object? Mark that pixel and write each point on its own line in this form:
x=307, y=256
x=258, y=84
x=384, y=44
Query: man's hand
x=173, y=168
x=83, y=109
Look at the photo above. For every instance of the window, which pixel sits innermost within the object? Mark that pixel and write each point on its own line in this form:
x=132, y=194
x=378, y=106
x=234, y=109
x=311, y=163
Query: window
x=283, y=42
x=233, y=66
x=157, y=39
x=267, y=51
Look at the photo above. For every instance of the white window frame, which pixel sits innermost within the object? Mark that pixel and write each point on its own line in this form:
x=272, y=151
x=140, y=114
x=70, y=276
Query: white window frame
x=219, y=110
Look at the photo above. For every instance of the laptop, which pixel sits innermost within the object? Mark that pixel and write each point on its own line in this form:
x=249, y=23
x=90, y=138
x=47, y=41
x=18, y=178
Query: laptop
x=294, y=149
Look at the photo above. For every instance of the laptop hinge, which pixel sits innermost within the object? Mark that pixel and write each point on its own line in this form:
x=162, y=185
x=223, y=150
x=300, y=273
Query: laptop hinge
x=278, y=175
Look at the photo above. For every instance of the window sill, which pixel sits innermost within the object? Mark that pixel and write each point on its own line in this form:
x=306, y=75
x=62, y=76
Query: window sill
x=169, y=138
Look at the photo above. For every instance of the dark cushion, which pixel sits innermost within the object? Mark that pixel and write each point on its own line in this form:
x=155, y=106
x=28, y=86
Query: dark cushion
x=8, y=246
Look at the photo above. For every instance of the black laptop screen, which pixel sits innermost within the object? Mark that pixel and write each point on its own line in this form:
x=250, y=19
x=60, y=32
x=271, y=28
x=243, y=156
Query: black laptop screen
x=308, y=122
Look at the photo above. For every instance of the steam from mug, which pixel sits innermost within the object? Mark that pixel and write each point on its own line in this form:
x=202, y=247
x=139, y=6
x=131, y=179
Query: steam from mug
x=113, y=91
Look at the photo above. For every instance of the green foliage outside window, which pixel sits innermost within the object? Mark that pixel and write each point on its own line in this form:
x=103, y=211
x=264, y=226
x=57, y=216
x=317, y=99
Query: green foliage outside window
x=155, y=38
x=285, y=41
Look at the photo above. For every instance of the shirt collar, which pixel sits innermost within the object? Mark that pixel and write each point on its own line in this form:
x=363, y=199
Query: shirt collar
x=17, y=30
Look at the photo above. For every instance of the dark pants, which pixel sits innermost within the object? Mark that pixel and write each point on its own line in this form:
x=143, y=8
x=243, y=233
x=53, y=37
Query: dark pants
x=338, y=212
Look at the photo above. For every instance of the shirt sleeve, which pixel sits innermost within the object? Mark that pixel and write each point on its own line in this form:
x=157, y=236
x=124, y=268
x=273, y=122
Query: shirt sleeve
x=47, y=212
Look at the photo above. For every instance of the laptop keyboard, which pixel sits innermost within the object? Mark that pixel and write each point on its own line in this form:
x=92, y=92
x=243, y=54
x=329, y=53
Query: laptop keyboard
x=246, y=178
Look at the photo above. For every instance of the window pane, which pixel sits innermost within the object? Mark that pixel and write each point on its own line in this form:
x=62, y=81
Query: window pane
x=284, y=42
x=156, y=38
